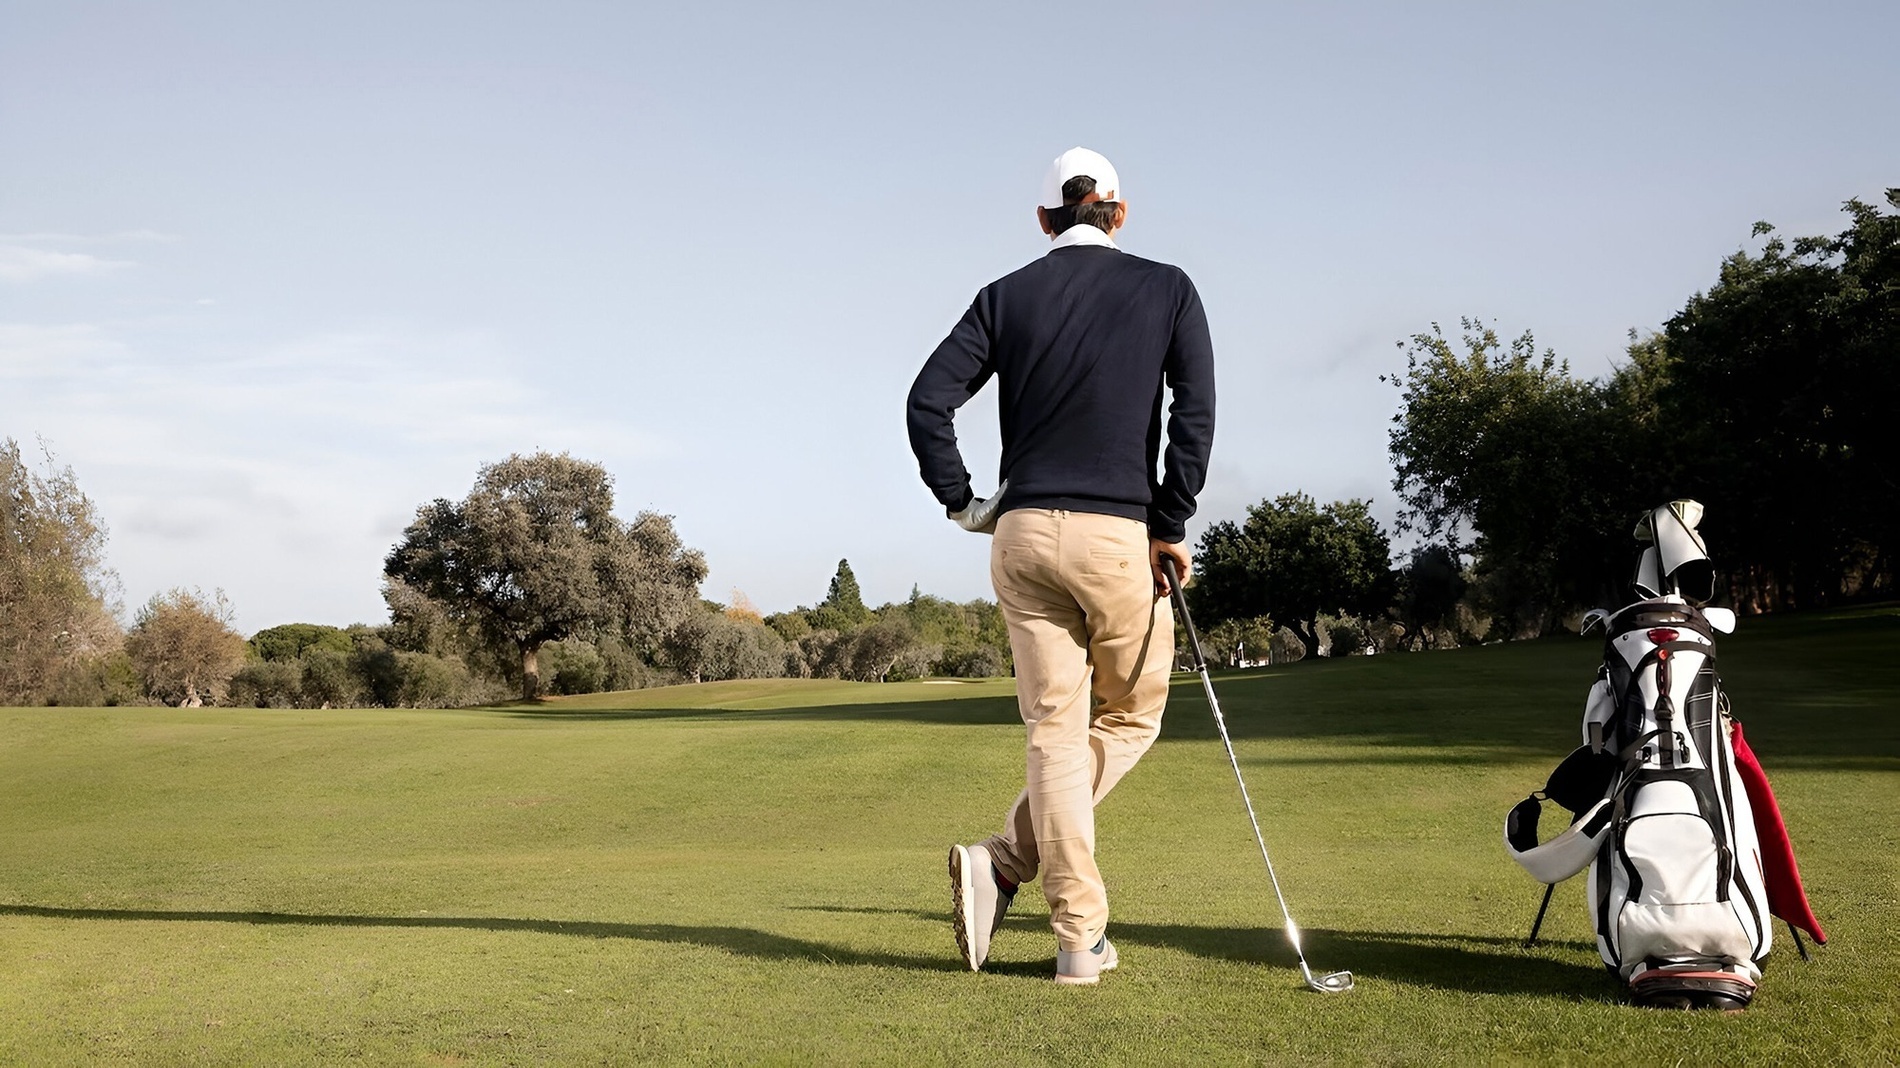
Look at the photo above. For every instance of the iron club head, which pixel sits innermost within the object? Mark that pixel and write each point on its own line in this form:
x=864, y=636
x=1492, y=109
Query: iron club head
x=1330, y=983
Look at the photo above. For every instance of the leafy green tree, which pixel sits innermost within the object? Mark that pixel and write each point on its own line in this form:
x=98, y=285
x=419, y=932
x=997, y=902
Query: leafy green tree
x=1499, y=452
x=1782, y=381
x=184, y=648
x=329, y=681
x=57, y=597
x=268, y=684
x=535, y=554
x=966, y=639
x=1430, y=587
x=1294, y=561
x=1345, y=637
x=1229, y=642
x=710, y=645
x=878, y=649
x=843, y=607
x=575, y=666
x=282, y=644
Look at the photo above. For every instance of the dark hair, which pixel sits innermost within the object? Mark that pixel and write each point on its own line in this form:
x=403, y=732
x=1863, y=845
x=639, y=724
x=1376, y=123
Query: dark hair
x=1099, y=214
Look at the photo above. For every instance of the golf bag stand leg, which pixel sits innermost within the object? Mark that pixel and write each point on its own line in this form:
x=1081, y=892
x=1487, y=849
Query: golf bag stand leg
x=1538, y=923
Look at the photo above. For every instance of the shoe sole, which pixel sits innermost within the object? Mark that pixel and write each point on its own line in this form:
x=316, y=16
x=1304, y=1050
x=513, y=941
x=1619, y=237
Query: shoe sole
x=962, y=905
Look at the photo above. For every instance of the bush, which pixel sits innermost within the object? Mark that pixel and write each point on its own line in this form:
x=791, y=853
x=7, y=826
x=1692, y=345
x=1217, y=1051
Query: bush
x=268, y=684
x=573, y=666
x=100, y=681
x=972, y=662
x=430, y=681
x=328, y=681
x=1345, y=638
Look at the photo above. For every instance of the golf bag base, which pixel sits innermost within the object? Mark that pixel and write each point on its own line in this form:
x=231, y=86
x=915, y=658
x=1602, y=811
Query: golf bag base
x=1685, y=988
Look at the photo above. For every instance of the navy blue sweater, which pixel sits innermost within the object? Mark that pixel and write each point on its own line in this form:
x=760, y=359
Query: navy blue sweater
x=1081, y=343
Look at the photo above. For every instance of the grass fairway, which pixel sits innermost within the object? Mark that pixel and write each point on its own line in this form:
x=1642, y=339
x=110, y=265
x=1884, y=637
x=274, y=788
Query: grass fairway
x=754, y=872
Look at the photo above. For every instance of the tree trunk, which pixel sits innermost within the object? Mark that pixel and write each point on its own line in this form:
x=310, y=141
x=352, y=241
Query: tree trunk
x=531, y=671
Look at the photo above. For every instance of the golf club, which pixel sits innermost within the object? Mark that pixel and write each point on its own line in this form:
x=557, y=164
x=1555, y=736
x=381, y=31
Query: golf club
x=1333, y=982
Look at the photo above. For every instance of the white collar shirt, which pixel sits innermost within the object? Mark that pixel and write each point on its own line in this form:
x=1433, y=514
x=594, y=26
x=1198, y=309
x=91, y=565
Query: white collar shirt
x=1083, y=234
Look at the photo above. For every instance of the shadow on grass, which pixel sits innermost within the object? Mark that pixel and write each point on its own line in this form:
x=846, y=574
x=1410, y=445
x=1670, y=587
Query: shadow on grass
x=1477, y=964
x=1470, y=963
x=739, y=941
x=1813, y=690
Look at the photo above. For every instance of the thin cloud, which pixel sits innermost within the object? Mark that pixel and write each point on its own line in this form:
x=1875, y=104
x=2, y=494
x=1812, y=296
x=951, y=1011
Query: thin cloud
x=284, y=473
x=116, y=237
x=19, y=263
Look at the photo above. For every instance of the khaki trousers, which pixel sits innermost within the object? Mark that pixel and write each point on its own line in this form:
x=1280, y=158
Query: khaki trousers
x=1093, y=647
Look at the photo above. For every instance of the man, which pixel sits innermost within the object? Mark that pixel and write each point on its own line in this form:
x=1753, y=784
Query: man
x=1081, y=343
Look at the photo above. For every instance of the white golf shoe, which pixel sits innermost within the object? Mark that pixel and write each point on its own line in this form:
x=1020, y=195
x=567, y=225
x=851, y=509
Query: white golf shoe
x=977, y=903
x=1084, y=966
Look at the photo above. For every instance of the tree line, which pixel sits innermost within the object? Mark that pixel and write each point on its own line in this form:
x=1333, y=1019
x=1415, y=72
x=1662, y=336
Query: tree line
x=528, y=586
x=1766, y=397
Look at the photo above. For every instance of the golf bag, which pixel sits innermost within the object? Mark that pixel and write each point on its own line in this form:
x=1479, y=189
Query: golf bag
x=1664, y=820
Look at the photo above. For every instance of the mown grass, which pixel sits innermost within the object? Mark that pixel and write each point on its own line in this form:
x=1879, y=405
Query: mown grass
x=753, y=872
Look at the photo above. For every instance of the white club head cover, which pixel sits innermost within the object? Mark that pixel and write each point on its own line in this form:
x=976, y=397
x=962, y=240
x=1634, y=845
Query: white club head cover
x=979, y=516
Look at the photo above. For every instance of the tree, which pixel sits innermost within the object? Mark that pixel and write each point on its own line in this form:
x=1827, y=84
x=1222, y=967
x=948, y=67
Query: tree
x=1230, y=642
x=1430, y=587
x=184, y=648
x=534, y=554
x=880, y=647
x=289, y=642
x=709, y=646
x=56, y=594
x=843, y=607
x=1498, y=452
x=1294, y=561
x=1782, y=380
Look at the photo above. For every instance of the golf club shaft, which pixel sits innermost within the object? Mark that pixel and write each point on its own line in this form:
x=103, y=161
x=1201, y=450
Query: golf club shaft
x=1220, y=724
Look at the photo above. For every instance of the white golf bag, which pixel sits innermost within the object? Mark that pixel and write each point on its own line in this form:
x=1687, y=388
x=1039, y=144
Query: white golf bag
x=1663, y=821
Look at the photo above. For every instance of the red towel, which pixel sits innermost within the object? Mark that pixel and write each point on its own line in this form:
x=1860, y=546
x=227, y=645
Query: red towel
x=1786, y=898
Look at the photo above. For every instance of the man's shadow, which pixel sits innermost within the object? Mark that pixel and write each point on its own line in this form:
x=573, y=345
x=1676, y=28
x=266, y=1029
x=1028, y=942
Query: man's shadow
x=739, y=941
x=1477, y=964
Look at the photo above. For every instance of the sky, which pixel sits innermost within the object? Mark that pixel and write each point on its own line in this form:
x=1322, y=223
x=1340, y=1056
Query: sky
x=272, y=276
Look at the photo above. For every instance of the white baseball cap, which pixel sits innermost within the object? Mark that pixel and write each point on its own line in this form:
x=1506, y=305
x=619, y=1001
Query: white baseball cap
x=1076, y=163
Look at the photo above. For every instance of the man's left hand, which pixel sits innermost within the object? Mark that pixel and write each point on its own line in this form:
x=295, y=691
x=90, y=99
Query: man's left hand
x=979, y=516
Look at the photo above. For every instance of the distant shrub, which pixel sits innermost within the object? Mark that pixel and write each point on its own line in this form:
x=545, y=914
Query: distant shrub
x=573, y=666
x=268, y=684
x=100, y=681
x=972, y=662
x=328, y=681
x=1346, y=638
x=430, y=681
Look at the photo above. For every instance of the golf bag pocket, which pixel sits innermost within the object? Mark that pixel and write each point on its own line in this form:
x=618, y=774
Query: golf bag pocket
x=1673, y=858
x=1668, y=898
x=1706, y=933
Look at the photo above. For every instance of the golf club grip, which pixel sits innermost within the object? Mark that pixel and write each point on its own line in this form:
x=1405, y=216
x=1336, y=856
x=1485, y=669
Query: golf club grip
x=1171, y=570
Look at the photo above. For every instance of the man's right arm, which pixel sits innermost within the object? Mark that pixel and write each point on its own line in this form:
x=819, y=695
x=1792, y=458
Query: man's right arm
x=1189, y=373
x=951, y=376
